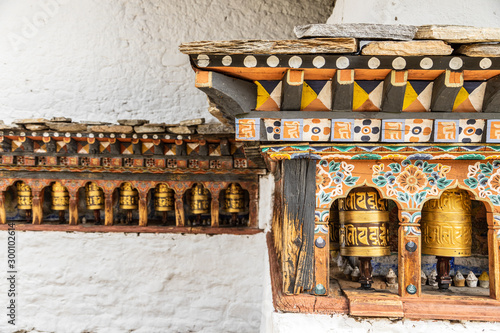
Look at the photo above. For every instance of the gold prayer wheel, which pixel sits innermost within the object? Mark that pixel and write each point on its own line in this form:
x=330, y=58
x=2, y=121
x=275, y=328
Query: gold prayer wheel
x=94, y=196
x=164, y=198
x=24, y=197
x=235, y=199
x=60, y=197
x=364, y=221
x=334, y=226
x=129, y=197
x=200, y=201
x=446, y=225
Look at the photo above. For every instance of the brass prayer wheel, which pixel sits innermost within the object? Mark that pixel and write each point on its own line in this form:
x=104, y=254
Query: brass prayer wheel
x=129, y=197
x=60, y=197
x=24, y=197
x=200, y=201
x=364, y=221
x=94, y=196
x=235, y=199
x=446, y=225
x=164, y=198
x=334, y=226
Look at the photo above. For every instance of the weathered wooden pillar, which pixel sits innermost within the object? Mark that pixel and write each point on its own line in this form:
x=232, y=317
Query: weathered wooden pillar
x=37, y=209
x=214, y=210
x=143, y=209
x=253, y=207
x=3, y=216
x=299, y=184
x=108, y=207
x=321, y=251
x=179, y=210
x=494, y=254
x=73, y=207
x=409, y=249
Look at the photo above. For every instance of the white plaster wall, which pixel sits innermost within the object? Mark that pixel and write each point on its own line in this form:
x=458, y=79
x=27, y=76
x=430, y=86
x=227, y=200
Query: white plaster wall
x=109, y=60
x=480, y=13
x=114, y=282
x=300, y=323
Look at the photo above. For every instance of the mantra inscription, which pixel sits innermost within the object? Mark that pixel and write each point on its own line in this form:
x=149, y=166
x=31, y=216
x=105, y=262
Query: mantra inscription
x=364, y=201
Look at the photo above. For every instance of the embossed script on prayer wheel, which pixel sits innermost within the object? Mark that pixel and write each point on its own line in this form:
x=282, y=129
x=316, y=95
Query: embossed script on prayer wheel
x=235, y=199
x=364, y=220
x=200, y=203
x=60, y=197
x=446, y=225
x=334, y=226
x=164, y=198
x=94, y=196
x=128, y=197
x=24, y=197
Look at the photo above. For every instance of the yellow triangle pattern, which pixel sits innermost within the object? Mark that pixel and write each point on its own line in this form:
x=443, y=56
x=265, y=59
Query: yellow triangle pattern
x=461, y=97
x=262, y=95
x=410, y=96
x=308, y=95
x=359, y=96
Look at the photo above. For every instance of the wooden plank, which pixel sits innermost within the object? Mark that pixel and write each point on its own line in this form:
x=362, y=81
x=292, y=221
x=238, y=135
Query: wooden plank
x=367, y=304
x=342, y=90
x=370, y=115
x=73, y=209
x=180, y=219
x=445, y=91
x=143, y=209
x=494, y=263
x=37, y=207
x=298, y=225
x=394, y=91
x=408, y=264
x=3, y=216
x=291, y=93
x=491, y=101
x=108, y=209
x=294, y=46
x=214, y=211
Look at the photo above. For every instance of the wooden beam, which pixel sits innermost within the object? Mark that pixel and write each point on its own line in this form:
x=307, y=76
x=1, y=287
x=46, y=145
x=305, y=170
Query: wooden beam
x=491, y=101
x=445, y=90
x=108, y=208
x=158, y=148
x=394, y=91
x=180, y=149
x=6, y=144
x=3, y=215
x=71, y=145
x=291, y=90
x=342, y=90
x=369, y=115
x=232, y=96
x=143, y=209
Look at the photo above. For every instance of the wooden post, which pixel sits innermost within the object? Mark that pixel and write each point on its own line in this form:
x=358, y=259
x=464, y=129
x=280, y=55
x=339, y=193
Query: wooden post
x=37, y=209
x=179, y=210
x=214, y=210
x=73, y=208
x=143, y=209
x=321, y=252
x=494, y=255
x=108, y=208
x=409, y=259
x=3, y=215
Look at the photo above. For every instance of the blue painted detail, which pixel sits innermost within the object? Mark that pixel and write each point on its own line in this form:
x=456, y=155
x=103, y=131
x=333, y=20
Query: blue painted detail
x=411, y=289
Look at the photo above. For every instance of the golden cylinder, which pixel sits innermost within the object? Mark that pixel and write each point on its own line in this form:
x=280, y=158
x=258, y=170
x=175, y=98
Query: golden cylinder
x=334, y=226
x=200, y=200
x=364, y=222
x=24, y=197
x=164, y=198
x=94, y=196
x=235, y=199
x=446, y=225
x=129, y=197
x=60, y=197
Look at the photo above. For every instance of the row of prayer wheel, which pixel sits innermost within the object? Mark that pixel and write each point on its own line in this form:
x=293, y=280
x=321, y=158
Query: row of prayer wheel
x=359, y=227
x=129, y=198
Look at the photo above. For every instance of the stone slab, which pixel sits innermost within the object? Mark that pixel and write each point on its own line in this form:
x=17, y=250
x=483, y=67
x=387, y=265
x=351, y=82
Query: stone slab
x=132, y=122
x=149, y=128
x=294, y=46
x=94, y=123
x=458, y=33
x=30, y=121
x=112, y=129
x=409, y=48
x=480, y=50
x=60, y=119
x=36, y=127
x=357, y=30
x=214, y=129
x=192, y=122
x=67, y=127
x=181, y=130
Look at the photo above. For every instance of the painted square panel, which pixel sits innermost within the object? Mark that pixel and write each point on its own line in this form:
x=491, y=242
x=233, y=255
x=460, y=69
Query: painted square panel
x=342, y=130
x=273, y=129
x=316, y=130
x=470, y=130
x=366, y=130
x=418, y=130
x=446, y=130
x=248, y=129
x=493, y=131
x=291, y=129
x=393, y=130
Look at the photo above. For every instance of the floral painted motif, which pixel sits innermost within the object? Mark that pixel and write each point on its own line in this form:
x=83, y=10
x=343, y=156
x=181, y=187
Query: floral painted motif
x=331, y=177
x=485, y=177
x=411, y=218
x=411, y=181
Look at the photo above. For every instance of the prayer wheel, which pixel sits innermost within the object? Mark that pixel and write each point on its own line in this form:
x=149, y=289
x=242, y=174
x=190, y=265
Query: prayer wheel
x=447, y=231
x=334, y=226
x=94, y=196
x=24, y=197
x=60, y=197
x=129, y=197
x=164, y=198
x=200, y=201
x=235, y=199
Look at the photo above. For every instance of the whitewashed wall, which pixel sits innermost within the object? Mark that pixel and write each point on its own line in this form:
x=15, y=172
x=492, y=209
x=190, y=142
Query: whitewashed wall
x=109, y=60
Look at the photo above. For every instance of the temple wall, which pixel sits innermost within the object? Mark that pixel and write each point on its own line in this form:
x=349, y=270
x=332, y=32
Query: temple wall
x=108, y=60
